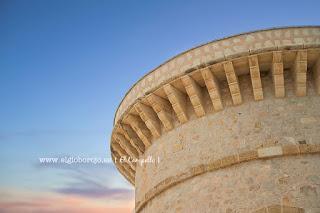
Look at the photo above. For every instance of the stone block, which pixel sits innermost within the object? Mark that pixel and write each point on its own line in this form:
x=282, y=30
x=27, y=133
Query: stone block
x=198, y=169
x=308, y=120
x=289, y=209
x=270, y=151
x=263, y=210
x=248, y=155
x=228, y=161
x=290, y=149
x=316, y=148
x=274, y=209
x=305, y=148
x=214, y=165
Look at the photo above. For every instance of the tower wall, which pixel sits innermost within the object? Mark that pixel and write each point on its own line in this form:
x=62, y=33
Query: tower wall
x=235, y=124
x=245, y=186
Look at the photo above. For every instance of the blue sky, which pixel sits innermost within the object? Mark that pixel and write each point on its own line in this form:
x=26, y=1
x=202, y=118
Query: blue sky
x=65, y=66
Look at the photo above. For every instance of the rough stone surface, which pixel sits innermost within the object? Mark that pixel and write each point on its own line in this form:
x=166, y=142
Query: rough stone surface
x=231, y=131
x=247, y=187
x=235, y=124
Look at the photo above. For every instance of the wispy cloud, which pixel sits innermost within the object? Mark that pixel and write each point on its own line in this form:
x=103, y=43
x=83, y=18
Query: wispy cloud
x=60, y=204
x=23, y=204
x=94, y=192
x=93, y=188
x=91, y=181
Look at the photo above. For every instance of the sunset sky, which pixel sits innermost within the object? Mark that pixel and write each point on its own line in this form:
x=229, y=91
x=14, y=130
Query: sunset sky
x=65, y=66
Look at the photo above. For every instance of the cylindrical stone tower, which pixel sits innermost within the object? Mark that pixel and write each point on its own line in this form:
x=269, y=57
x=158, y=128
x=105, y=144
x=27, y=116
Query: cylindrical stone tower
x=235, y=124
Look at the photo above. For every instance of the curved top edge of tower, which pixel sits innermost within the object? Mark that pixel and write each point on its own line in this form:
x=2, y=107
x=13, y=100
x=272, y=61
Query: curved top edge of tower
x=118, y=113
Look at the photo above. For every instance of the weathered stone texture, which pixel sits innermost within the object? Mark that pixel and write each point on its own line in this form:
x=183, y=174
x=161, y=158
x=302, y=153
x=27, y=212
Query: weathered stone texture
x=252, y=125
x=247, y=187
x=235, y=123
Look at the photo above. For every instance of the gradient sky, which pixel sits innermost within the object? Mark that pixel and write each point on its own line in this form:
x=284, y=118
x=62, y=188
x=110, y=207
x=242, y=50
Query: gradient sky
x=64, y=68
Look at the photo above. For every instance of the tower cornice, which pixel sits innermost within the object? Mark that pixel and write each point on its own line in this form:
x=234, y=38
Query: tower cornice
x=207, y=79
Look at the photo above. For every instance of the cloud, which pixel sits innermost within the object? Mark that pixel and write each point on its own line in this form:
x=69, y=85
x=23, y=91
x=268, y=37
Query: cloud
x=91, y=182
x=90, y=187
x=22, y=204
x=60, y=204
x=94, y=192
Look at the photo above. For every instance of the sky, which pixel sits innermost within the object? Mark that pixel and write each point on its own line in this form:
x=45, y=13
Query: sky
x=66, y=65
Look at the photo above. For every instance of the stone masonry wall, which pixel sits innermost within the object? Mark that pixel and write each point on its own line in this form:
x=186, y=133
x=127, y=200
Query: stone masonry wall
x=289, y=180
x=244, y=188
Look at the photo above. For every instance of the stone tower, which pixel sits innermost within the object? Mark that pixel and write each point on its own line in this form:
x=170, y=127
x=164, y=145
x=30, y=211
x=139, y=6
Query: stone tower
x=235, y=124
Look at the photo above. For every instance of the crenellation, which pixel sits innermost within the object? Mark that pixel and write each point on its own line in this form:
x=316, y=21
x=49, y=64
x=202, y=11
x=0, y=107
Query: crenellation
x=178, y=101
x=233, y=83
x=121, y=152
x=127, y=167
x=126, y=145
x=150, y=118
x=163, y=109
x=134, y=139
x=140, y=128
x=195, y=94
x=299, y=71
x=212, y=85
x=277, y=74
x=316, y=76
x=255, y=77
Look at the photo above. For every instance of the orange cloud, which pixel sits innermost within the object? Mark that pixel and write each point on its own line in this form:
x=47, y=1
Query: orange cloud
x=52, y=203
